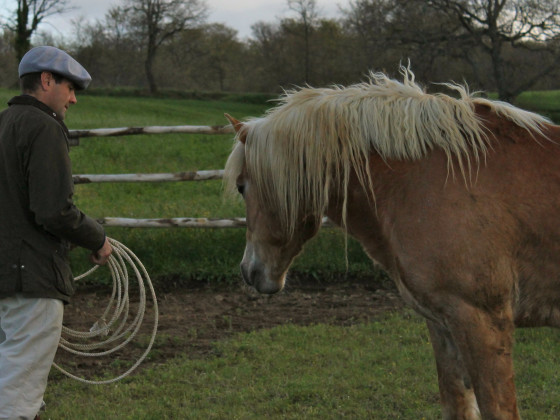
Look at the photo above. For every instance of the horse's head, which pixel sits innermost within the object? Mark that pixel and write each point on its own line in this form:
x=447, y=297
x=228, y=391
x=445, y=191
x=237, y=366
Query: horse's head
x=271, y=245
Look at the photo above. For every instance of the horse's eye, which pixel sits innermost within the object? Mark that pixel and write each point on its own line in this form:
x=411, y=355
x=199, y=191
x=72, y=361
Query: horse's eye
x=240, y=188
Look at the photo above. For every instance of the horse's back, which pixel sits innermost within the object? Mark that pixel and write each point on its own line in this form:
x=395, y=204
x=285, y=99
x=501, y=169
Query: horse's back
x=487, y=235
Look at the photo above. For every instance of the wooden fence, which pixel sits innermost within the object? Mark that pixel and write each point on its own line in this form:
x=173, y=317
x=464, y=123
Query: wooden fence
x=75, y=136
x=189, y=222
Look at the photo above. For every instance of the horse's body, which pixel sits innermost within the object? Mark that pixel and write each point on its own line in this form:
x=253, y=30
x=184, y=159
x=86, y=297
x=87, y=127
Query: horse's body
x=465, y=222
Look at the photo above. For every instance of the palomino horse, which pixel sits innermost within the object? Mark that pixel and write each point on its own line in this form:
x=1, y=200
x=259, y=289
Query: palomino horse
x=457, y=199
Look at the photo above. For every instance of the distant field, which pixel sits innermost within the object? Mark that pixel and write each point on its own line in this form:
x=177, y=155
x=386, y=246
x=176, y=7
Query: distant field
x=542, y=102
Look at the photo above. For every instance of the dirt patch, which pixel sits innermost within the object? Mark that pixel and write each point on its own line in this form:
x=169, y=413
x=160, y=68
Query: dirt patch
x=192, y=317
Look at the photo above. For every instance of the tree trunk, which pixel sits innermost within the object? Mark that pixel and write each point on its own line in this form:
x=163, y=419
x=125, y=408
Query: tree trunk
x=22, y=42
x=307, y=53
x=505, y=92
x=21, y=45
x=148, y=66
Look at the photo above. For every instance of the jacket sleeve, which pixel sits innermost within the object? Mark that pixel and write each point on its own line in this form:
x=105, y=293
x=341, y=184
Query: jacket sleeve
x=50, y=188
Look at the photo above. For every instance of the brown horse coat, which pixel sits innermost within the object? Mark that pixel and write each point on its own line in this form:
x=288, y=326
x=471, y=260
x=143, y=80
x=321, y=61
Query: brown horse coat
x=470, y=236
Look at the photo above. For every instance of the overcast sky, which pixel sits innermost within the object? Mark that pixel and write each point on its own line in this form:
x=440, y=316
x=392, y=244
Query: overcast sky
x=237, y=14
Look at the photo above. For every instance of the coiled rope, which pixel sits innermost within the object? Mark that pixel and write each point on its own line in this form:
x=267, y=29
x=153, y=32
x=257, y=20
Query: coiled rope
x=118, y=331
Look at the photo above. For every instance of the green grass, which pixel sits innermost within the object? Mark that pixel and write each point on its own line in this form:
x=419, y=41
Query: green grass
x=381, y=370
x=546, y=103
x=543, y=102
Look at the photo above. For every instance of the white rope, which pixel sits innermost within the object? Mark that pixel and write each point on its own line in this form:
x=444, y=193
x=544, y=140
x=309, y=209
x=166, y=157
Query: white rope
x=112, y=329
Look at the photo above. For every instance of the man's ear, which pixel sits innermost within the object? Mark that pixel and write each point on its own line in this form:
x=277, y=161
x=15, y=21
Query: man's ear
x=46, y=80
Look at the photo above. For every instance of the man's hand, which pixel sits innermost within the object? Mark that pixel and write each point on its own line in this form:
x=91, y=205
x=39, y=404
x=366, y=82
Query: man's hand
x=101, y=256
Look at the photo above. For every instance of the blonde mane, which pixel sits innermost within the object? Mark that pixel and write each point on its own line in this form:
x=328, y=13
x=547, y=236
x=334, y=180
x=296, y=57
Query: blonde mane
x=315, y=137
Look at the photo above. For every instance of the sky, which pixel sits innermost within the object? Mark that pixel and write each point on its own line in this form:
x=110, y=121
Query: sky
x=237, y=14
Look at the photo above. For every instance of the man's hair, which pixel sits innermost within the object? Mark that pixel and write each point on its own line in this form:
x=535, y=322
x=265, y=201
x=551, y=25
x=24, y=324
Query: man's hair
x=30, y=82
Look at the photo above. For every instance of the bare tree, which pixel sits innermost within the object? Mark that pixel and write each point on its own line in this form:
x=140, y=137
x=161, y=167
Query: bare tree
x=108, y=50
x=387, y=32
x=371, y=22
x=222, y=47
x=308, y=15
x=27, y=18
x=499, y=26
x=153, y=22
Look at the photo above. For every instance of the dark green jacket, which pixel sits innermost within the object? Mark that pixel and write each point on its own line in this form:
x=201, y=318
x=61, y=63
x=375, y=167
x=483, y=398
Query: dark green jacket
x=38, y=219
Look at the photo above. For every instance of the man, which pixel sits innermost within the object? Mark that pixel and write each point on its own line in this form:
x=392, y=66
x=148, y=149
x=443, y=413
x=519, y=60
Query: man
x=38, y=222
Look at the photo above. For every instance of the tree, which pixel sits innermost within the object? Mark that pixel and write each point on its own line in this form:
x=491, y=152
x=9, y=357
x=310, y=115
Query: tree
x=387, y=32
x=499, y=27
x=204, y=58
x=154, y=22
x=308, y=16
x=8, y=63
x=221, y=49
x=108, y=50
x=28, y=16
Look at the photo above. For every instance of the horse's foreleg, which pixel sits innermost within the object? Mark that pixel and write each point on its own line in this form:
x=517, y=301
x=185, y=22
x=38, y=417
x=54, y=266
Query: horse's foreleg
x=484, y=338
x=455, y=388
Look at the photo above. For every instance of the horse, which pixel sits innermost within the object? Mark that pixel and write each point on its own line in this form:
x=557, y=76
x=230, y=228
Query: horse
x=454, y=195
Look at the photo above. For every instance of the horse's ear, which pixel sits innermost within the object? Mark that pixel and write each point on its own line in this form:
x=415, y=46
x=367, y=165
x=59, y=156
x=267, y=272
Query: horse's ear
x=238, y=127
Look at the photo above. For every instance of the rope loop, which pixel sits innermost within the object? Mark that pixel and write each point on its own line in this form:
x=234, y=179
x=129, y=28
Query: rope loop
x=115, y=329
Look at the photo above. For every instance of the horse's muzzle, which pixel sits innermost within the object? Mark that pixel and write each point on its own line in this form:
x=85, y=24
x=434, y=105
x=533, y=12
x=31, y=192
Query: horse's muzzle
x=254, y=275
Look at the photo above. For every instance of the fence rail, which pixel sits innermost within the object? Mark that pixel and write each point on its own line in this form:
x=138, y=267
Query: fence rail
x=189, y=222
x=169, y=177
x=75, y=135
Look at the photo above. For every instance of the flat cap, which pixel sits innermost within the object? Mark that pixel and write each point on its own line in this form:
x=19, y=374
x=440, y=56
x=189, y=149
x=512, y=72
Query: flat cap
x=52, y=59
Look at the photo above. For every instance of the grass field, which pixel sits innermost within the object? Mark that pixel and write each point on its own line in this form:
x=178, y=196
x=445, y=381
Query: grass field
x=380, y=370
x=383, y=370
x=545, y=103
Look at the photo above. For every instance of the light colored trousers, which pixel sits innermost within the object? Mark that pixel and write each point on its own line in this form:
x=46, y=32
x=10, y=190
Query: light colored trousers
x=29, y=334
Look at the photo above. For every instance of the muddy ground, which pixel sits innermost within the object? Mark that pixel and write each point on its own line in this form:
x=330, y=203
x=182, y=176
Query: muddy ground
x=193, y=316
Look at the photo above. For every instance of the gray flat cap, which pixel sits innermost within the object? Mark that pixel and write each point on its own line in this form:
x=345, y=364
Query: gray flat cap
x=52, y=59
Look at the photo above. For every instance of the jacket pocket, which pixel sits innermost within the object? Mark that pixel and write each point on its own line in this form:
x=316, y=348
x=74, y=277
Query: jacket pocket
x=64, y=280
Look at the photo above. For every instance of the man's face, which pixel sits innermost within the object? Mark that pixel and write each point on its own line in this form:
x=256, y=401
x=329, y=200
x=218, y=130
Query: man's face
x=59, y=96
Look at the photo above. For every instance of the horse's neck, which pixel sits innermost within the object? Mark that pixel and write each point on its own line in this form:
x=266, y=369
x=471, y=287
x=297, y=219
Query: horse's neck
x=357, y=209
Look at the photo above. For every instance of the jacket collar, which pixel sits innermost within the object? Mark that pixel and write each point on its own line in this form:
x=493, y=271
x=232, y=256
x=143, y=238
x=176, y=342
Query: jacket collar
x=31, y=100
